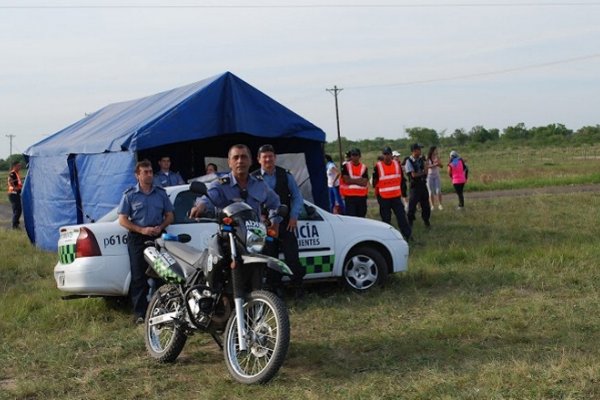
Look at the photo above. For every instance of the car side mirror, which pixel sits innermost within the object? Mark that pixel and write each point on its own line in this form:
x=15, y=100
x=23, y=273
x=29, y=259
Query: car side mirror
x=198, y=188
x=183, y=238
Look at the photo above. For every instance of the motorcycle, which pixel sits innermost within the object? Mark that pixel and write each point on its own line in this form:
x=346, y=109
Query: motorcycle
x=219, y=291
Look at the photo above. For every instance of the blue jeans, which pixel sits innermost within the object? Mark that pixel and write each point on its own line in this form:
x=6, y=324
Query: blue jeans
x=336, y=198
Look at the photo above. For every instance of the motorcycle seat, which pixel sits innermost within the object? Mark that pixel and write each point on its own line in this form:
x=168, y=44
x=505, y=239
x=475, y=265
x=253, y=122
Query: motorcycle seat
x=189, y=254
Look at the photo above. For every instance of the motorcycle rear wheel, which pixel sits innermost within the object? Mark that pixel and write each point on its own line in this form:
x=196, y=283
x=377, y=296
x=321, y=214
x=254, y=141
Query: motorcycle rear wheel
x=267, y=339
x=164, y=341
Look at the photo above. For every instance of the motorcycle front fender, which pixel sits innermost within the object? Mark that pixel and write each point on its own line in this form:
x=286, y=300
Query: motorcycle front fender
x=271, y=262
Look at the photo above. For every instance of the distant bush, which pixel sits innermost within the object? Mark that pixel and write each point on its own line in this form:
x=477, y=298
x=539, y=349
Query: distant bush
x=5, y=164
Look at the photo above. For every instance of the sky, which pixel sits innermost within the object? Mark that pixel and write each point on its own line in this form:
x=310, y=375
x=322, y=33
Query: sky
x=438, y=64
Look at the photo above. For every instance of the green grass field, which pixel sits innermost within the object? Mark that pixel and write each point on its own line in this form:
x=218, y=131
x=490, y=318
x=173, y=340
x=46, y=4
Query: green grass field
x=500, y=302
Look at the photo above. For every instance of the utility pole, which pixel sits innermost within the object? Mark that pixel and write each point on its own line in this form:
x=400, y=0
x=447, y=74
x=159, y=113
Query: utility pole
x=10, y=137
x=335, y=92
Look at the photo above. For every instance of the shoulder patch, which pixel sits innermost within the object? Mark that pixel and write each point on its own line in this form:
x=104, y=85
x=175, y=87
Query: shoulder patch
x=259, y=177
x=129, y=190
x=224, y=180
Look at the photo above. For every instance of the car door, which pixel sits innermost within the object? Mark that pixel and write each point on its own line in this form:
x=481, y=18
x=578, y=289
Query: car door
x=316, y=243
x=200, y=232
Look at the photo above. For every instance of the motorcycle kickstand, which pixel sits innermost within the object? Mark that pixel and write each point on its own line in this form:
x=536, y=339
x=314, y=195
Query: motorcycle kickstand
x=217, y=340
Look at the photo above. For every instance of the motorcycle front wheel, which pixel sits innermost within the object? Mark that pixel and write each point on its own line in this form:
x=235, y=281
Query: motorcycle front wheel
x=164, y=339
x=267, y=336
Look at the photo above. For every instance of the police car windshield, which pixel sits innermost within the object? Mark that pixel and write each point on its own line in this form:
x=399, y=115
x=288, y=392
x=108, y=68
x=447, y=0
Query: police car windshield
x=110, y=216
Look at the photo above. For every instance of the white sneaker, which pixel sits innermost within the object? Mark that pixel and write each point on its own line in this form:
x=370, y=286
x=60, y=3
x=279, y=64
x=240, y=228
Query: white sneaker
x=440, y=207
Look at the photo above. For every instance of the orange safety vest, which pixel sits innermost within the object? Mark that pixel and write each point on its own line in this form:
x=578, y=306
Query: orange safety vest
x=11, y=188
x=353, y=190
x=390, y=177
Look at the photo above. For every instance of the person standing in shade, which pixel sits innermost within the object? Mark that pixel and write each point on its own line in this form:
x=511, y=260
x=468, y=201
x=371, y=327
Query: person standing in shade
x=333, y=184
x=145, y=211
x=284, y=184
x=211, y=168
x=354, y=185
x=387, y=178
x=416, y=169
x=15, y=185
x=457, y=171
x=165, y=177
x=434, y=182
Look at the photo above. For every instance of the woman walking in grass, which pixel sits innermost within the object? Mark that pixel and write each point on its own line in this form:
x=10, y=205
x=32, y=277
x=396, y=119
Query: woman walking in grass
x=434, y=183
x=457, y=170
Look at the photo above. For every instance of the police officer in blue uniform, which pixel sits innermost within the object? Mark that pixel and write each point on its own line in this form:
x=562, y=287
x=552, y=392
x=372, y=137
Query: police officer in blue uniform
x=284, y=184
x=165, y=177
x=238, y=185
x=145, y=211
x=416, y=169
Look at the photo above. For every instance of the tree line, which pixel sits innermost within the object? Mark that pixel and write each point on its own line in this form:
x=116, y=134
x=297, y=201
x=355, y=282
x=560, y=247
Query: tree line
x=519, y=134
x=5, y=164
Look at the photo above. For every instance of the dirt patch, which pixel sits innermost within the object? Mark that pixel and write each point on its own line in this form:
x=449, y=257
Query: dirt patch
x=8, y=384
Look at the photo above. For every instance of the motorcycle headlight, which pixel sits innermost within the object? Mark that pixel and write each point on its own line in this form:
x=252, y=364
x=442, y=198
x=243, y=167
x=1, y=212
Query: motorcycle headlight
x=255, y=240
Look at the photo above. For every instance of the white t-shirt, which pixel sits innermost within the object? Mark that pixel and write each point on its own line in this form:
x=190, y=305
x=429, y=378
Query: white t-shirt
x=331, y=174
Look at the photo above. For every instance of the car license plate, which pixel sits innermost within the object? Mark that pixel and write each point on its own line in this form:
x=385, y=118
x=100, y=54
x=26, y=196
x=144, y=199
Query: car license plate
x=60, y=279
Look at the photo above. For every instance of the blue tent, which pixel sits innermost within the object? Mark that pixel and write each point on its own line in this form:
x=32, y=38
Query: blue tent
x=79, y=173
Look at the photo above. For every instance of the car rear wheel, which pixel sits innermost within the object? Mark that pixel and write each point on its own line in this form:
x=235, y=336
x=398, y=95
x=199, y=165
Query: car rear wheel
x=364, y=268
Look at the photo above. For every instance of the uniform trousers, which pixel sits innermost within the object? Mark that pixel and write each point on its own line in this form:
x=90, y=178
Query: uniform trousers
x=356, y=206
x=386, y=206
x=15, y=202
x=138, y=288
x=419, y=195
x=286, y=243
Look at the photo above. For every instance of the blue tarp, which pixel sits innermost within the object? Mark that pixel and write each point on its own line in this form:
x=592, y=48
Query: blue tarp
x=80, y=172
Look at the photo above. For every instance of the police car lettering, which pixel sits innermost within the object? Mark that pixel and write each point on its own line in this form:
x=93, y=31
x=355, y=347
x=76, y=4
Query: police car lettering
x=307, y=235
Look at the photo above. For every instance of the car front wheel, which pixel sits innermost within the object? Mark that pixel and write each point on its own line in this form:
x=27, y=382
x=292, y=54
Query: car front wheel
x=364, y=268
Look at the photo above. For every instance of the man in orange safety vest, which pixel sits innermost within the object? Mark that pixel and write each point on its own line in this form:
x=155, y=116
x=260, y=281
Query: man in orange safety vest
x=387, y=177
x=354, y=185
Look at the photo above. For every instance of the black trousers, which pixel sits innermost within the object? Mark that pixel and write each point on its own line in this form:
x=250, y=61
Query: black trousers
x=138, y=288
x=288, y=245
x=15, y=202
x=356, y=206
x=459, y=187
x=386, y=206
x=419, y=195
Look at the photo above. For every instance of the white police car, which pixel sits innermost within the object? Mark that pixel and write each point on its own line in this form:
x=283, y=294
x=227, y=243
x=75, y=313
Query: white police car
x=361, y=252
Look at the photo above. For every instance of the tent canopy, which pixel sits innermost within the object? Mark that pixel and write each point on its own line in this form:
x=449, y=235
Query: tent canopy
x=84, y=169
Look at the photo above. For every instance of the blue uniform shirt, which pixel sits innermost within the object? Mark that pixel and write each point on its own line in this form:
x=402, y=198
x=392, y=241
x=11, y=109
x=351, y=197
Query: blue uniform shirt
x=167, y=179
x=226, y=190
x=145, y=209
x=296, y=201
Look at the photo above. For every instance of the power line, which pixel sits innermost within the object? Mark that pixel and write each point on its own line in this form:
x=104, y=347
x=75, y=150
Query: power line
x=481, y=74
x=313, y=6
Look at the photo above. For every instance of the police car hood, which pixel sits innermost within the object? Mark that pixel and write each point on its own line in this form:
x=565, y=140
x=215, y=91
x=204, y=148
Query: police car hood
x=363, y=222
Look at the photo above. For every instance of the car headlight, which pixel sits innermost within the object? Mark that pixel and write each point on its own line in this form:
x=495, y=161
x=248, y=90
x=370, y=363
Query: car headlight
x=255, y=240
